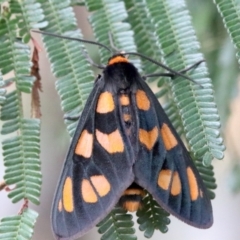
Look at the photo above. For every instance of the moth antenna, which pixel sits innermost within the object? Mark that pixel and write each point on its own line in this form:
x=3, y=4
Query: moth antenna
x=73, y=38
x=91, y=61
x=129, y=53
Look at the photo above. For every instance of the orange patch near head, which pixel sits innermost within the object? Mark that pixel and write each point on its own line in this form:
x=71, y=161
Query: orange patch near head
x=132, y=206
x=143, y=102
x=148, y=138
x=88, y=193
x=68, y=195
x=101, y=185
x=105, y=103
x=112, y=142
x=124, y=100
x=194, y=190
x=60, y=205
x=168, y=138
x=85, y=144
x=117, y=59
x=176, y=184
x=164, y=179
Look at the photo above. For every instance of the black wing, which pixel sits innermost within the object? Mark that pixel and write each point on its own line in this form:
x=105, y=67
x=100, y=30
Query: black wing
x=164, y=166
x=97, y=170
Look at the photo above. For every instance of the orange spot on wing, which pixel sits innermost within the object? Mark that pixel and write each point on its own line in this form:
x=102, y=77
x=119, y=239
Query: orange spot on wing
x=85, y=144
x=105, y=103
x=132, y=206
x=164, y=179
x=117, y=59
x=142, y=100
x=101, y=185
x=127, y=117
x=60, y=205
x=168, y=138
x=88, y=193
x=68, y=195
x=124, y=100
x=176, y=184
x=112, y=142
x=194, y=190
x=148, y=138
x=167, y=177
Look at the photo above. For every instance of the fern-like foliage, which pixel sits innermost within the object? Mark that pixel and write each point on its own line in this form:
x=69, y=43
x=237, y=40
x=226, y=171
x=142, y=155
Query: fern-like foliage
x=21, y=159
x=73, y=73
x=229, y=11
x=152, y=217
x=226, y=75
x=118, y=225
x=15, y=56
x=21, y=153
x=109, y=17
x=19, y=226
x=21, y=150
x=144, y=34
x=29, y=16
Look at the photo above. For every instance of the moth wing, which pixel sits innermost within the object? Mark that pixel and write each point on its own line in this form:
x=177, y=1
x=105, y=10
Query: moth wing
x=164, y=167
x=97, y=170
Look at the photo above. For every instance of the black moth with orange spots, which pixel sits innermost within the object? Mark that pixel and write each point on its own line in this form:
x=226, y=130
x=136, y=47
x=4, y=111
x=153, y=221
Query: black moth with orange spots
x=125, y=143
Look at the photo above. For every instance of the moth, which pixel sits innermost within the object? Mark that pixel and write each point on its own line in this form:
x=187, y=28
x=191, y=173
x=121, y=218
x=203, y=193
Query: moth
x=125, y=144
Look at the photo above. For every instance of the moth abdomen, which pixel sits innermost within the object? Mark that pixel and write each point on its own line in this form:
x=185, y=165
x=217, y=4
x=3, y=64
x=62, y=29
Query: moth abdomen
x=131, y=199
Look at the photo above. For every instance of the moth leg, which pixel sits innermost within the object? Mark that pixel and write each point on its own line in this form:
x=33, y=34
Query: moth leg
x=171, y=75
x=195, y=65
x=72, y=118
x=91, y=61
